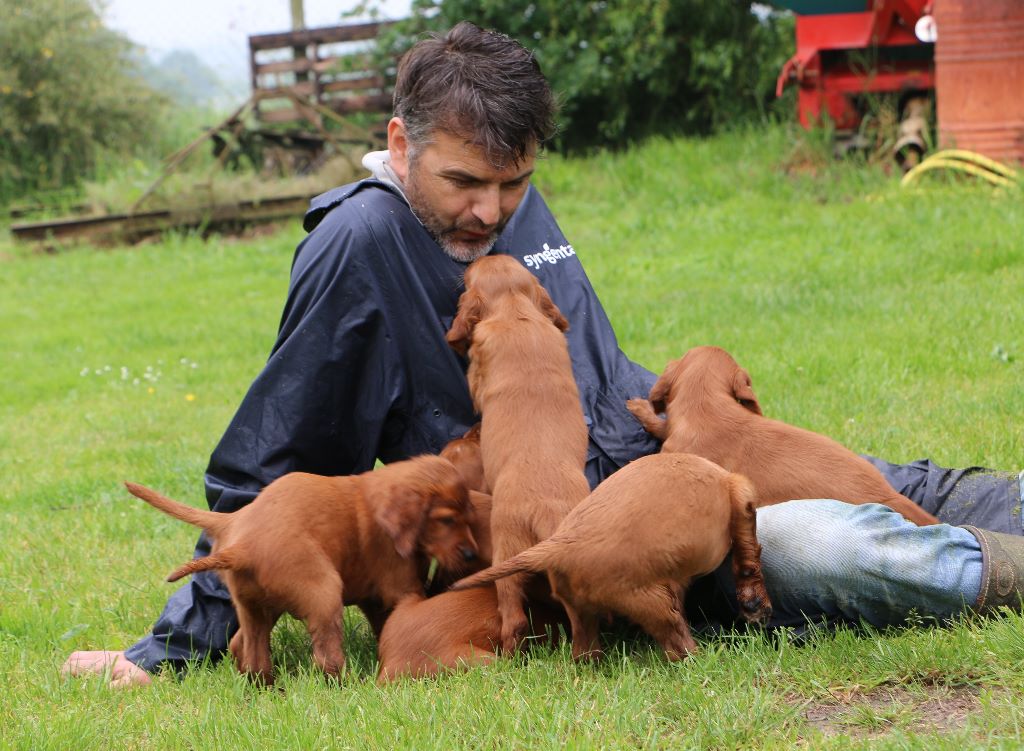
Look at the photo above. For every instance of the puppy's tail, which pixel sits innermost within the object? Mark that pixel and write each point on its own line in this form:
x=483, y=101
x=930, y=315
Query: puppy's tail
x=225, y=558
x=535, y=560
x=213, y=522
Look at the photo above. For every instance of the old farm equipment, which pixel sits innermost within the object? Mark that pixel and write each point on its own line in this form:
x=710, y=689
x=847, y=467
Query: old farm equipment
x=848, y=51
x=314, y=87
x=316, y=93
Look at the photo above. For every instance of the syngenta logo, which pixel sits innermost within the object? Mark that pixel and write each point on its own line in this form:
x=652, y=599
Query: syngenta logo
x=548, y=255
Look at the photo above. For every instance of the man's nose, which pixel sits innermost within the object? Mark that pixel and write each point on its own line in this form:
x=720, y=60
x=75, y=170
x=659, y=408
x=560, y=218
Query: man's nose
x=487, y=206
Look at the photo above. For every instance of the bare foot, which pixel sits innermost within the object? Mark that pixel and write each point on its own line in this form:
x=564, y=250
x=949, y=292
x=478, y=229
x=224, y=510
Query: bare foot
x=122, y=673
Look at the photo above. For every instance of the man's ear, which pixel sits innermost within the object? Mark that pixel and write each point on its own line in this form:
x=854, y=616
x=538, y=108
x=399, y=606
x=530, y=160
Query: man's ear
x=399, y=510
x=743, y=390
x=398, y=148
x=461, y=332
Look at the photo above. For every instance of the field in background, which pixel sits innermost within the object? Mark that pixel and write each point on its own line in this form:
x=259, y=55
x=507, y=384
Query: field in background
x=891, y=320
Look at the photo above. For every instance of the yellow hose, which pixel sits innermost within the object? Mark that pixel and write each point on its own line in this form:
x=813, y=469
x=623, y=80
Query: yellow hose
x=979, y=159
x=932, y=163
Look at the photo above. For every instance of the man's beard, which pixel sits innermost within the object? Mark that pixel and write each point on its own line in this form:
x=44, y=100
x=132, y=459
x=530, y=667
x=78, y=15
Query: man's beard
x=459, y=250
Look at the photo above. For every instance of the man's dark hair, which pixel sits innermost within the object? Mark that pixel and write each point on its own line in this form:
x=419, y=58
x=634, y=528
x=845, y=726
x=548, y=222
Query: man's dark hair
x=477, y=84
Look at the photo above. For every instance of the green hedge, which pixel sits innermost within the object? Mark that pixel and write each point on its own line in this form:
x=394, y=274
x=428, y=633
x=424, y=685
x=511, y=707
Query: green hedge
x=626, y=70
x=68, y=95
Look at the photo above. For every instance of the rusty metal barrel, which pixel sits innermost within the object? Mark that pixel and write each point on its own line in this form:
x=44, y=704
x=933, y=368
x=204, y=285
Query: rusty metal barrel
x=979, y=76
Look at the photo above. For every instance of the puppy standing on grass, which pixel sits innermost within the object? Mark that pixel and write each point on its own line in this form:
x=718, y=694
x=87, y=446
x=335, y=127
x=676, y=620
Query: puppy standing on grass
x=711, y=411
x=533, y=437
x=633, y=546
x=308, y=545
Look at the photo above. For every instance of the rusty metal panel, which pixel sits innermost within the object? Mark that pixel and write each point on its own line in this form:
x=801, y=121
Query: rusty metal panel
x=979, y=76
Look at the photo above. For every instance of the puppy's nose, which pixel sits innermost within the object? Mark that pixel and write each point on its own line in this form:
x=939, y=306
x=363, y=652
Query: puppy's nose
x=468, y=554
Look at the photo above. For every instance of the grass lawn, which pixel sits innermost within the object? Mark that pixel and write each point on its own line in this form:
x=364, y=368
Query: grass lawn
x=892, y=320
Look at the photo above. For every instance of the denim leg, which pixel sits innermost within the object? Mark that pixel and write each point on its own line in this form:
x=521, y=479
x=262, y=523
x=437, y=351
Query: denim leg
x=832, y=562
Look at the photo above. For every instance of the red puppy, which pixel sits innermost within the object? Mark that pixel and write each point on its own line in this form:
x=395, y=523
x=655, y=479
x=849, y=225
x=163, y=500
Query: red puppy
x=633, y=546
x=308, y=545
x=711, y=411
x=532, y=436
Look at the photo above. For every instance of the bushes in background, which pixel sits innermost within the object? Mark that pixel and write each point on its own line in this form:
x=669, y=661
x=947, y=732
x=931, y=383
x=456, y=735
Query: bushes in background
x=628, y=69
x=68, y=95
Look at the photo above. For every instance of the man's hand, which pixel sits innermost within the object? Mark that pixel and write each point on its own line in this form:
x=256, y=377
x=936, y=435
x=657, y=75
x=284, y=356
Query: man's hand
x=122, y=673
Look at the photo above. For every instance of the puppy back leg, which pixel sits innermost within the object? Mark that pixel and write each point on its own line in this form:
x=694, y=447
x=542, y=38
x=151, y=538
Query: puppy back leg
x=511, y=538
x=586, y=641
x=323, y=612
x=653, y=608
x=755, y=605
x=513, y=613
x=251, y=645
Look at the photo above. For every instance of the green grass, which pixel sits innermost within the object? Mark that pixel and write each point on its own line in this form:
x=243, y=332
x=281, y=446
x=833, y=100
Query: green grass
x=891, y=320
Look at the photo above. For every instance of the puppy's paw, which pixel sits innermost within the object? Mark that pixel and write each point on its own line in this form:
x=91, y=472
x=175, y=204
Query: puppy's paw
x=512, y=636
x=641, y=409
x=755, y=606
x=584, y=655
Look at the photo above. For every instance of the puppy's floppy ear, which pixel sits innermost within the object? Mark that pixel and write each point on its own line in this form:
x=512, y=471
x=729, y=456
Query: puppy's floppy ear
x=547, y=306
x=399, y=510
x=743, y=390
x=469, y=315
x=661, y=387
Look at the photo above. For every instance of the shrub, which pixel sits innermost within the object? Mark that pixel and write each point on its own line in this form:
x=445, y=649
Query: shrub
x=626, y=70
x=68, y=95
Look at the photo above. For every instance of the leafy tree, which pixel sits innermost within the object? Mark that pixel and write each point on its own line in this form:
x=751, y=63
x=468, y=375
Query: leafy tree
x=626, y=69
x=68, y=95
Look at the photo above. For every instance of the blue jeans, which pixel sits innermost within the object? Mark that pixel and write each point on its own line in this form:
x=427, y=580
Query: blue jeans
x=830, y=562
x=839, y=562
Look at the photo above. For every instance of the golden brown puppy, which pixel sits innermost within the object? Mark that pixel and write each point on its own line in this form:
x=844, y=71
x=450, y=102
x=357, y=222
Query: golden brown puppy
x=633, y=546
x=452, y=630
x=465, y=454
x=309, y=545
x=711, y=411
x=532, y=435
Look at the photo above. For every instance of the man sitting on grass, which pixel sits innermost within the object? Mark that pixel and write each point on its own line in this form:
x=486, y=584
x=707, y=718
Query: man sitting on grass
x=361, y=371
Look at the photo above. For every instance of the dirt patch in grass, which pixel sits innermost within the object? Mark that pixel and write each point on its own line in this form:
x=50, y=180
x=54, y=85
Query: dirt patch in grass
x=928, y=709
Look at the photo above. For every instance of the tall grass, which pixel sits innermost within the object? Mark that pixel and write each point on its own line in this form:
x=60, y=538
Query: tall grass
x=889, y=319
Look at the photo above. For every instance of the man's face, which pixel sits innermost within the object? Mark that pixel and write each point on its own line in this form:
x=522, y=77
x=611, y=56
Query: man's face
x=462, y=199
